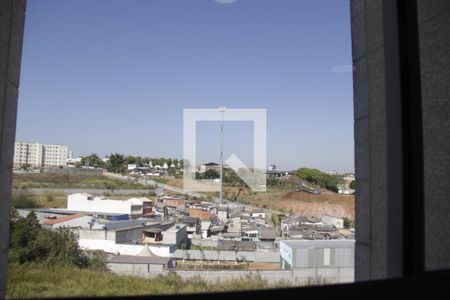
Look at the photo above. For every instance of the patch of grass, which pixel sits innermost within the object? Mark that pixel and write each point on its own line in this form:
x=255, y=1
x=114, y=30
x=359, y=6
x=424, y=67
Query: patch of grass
x=33, y=281
x=45, y=180
x=160, y=180
x=51, y=200
x=27, y=199
x=24, y=199
x=127, y=196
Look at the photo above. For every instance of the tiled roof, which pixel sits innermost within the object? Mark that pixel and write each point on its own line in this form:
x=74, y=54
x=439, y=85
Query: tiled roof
x=63, y=219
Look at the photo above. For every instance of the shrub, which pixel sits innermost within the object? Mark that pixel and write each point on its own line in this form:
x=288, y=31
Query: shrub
x=318, y=177
x=348, y=223
x=30, y=243
x=274, y=219
x=97, y=260
x=23, y=199
x=50, y=198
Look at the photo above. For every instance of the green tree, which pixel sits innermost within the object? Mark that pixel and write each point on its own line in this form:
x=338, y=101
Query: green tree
x=93, y=161
x=131, y=159
x=353, y=185
x=116, y=163
x=175, y=162
x=29, y=242
x=348, y=223
x=211, y=174
x=25, y=167
x=139, y=161
x=318, y=177
x=23, y=199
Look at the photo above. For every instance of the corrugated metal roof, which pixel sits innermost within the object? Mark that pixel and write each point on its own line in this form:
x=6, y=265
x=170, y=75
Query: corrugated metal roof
x=267, y=234
x=190, y=220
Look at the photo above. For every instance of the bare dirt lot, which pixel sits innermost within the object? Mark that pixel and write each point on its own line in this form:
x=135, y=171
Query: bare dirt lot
x=285, y=200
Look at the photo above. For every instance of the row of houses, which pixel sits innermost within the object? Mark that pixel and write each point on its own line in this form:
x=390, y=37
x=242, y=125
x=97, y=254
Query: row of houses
x=170, y=222
x=206, y=220
x=142, y=242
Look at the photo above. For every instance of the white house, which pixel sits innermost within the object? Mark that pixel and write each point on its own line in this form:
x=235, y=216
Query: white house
x=88, y=203
x=259, y=213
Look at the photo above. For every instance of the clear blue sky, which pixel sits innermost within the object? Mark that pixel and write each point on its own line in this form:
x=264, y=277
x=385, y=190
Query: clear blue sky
x=109, y=76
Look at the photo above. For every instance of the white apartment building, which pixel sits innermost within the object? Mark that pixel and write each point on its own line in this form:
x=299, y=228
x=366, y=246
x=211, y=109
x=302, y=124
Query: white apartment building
x=40, y=155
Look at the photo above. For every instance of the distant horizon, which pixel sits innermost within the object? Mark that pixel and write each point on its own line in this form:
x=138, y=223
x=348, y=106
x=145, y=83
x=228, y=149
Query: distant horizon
x=170, y=157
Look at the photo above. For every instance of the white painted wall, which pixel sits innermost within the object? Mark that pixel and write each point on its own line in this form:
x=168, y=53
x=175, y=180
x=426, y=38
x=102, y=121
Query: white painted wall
x=80, y=202
x=258, y=215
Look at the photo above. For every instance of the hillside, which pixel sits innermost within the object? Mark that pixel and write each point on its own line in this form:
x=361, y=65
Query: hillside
x=287, y=199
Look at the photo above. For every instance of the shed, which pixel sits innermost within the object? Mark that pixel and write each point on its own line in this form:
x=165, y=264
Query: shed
x=317, y=253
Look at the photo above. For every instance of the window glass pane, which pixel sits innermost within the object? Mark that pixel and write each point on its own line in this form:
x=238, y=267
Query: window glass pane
x=197, y=145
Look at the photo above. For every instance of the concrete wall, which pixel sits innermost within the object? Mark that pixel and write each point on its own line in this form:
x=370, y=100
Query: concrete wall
x=378, y=198
x=128, y=236
x=80, y=202
x=323, y=257
x=299, y=276
x=12, y=17
x=434, y=43
x=97, y=234
x=204, y=243
x=271, y=257
x=141, y=270
x=175, y=236
x=370, y=132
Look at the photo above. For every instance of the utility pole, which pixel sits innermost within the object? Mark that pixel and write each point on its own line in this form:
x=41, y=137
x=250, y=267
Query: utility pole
x=222, y=111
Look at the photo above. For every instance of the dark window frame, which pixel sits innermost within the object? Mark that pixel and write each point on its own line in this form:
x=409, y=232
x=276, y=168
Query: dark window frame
x=405, y=154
